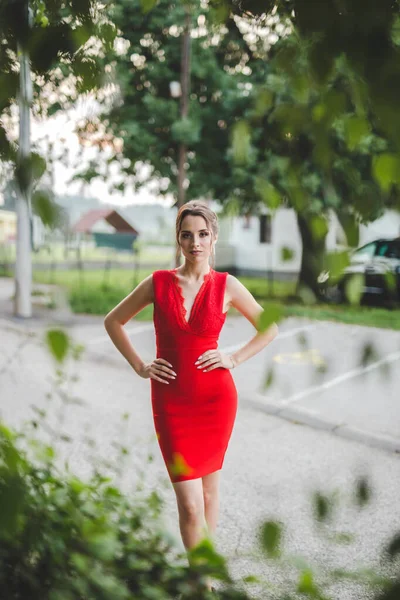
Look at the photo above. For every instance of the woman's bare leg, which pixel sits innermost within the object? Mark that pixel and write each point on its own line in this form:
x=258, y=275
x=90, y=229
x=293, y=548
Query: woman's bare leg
x=211, y=505
x=189, y=495
x=211, y=500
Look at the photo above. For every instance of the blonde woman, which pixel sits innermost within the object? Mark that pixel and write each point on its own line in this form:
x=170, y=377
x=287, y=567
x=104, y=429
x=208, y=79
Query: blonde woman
x=194, y=398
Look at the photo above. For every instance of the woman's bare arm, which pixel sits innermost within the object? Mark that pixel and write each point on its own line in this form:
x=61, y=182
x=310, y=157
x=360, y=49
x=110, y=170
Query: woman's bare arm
x=115, y=320
x=245, y=303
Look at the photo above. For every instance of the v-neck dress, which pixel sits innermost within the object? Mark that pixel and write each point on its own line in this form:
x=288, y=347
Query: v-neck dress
x=194, y=414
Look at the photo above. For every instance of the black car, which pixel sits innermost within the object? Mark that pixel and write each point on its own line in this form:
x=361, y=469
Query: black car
x=379, y=264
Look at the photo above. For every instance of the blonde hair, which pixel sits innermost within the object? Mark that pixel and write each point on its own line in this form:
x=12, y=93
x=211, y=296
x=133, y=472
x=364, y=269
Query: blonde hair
x=198, y=209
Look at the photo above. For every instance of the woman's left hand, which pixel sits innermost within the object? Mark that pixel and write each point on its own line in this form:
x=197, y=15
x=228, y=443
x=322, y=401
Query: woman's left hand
x=213, y=359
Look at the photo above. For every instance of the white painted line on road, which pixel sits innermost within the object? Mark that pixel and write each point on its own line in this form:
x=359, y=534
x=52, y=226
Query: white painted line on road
x=340, y=379
x=280, y=336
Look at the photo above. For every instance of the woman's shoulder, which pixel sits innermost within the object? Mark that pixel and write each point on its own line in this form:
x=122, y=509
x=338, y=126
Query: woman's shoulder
x=160, y=276
x=161, y=273
x=231, y=280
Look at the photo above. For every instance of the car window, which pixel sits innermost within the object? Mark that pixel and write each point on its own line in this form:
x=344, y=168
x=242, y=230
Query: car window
x=389, y=250
x=383, y=249
x=367, y=251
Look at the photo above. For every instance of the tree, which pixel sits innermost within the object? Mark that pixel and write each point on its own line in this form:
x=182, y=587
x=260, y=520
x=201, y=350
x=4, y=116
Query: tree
x=285, y=126
x=314, y=153
x=147, y=118
x=330, y=116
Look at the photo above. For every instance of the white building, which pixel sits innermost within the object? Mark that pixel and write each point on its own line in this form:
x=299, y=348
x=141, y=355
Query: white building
x=265, y=244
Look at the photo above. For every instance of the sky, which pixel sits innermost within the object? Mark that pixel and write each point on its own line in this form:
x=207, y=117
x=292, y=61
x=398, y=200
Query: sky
x=59, y=129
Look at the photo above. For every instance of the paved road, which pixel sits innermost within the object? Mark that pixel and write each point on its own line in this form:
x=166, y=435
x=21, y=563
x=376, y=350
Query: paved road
x=273, y=463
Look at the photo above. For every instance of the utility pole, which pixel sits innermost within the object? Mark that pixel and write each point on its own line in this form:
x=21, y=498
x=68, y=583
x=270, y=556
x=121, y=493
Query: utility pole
x=184, y=106
x=23, y=263
x=184, y=101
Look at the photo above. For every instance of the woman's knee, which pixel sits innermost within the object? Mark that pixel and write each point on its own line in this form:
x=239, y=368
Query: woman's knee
x=210, y=497
x=190, y=509
x=189, y=499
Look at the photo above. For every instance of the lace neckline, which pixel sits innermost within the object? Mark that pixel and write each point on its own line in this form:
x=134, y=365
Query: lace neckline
x=182, y=308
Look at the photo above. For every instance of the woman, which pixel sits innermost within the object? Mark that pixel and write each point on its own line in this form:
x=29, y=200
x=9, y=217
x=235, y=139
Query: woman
x=194, y=399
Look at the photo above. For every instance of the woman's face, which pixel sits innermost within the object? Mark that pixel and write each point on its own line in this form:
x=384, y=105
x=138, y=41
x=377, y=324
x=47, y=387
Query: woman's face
x=195, y=238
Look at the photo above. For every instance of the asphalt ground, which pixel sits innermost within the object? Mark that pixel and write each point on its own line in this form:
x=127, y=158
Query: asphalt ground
x=344, y=424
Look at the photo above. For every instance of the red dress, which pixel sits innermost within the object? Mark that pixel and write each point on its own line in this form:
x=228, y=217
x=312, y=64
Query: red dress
x=195, y=413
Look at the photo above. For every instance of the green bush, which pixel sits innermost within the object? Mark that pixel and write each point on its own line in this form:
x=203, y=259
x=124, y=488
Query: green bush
x=65, y=539
x=99, y=299
x=96, y=299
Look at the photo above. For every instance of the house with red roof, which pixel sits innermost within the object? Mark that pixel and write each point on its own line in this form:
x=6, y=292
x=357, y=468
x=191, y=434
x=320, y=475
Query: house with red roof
x=107, y=227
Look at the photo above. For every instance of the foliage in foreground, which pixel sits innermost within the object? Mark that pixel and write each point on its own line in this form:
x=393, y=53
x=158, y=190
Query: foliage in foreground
x=63, y=539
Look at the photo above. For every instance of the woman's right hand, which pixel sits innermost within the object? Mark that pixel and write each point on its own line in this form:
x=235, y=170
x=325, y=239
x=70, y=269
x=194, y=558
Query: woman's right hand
x=159, y=369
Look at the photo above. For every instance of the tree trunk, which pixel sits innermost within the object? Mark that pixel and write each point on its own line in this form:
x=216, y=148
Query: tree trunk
x=312, y=257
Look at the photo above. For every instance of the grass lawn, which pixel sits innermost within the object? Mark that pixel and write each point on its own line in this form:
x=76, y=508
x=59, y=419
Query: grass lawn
x=91, y=297
x=149, y=253
x=353, y=315
x=125, y=278
x=73, y=277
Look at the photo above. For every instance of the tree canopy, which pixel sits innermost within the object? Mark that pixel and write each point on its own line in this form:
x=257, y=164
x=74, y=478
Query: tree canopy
x=223, y=71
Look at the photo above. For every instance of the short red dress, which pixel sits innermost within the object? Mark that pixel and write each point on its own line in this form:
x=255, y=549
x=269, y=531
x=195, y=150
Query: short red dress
x=194, y=414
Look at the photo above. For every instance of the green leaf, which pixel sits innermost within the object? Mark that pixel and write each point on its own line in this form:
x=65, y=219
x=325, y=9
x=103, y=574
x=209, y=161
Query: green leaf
x=355, y=128
x=251, y=579
x=80, y=35
x=322, y=506
x=354, y=288
x=386, y=170
x=220, y=11
x=319, y=226
x=306, y=584
x=50, y=213
x=148, y=5
x=343, y=537
x=54, y=108
x=77, y=486
x=272, y=314
x=390, y=281
x=271, y=538
x=58, y=343
x=107, y=33
x=269, y=379
x=241, y=142
x=363, y=492
x=179, y=466
x=80, y=562
x=306, y=295
x=204, y=553
x=13, y=495
x=268, y=193
x=336, y=263
x=393, y=548
x=28, y=170
x=351, y=228
x=287, y=254
x=263, y=102
x=369, y=355
x=104, y=545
